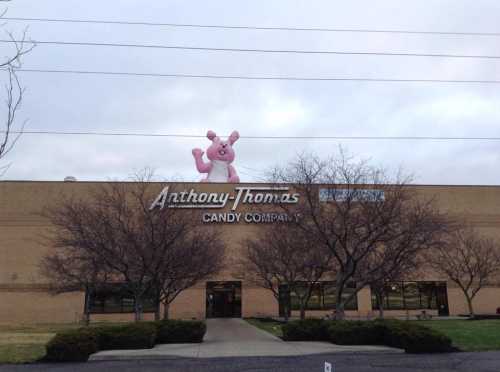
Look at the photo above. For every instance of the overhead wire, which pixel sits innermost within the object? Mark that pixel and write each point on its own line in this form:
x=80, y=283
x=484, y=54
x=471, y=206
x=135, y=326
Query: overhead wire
x=247, y=77
x=250, y=50
x=177, y=135
x=251, y=27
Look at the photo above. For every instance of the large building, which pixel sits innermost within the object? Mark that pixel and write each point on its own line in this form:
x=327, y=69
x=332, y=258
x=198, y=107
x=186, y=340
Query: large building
x=24, y=296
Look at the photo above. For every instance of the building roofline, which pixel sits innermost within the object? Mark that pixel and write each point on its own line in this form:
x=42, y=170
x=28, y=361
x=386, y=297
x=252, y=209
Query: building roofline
x=225, y=183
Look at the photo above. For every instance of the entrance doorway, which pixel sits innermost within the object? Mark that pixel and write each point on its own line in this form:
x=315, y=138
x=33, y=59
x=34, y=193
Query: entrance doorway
x=223, y=300
x=442, y=299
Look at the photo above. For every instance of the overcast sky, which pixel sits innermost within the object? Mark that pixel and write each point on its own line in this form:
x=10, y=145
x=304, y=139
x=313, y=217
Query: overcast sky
x=258, y=108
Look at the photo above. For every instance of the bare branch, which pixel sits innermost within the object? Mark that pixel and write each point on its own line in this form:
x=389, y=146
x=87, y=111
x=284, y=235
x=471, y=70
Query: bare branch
x=373, y=225
x=469, y=260
x=14, y=92
x=111, y=235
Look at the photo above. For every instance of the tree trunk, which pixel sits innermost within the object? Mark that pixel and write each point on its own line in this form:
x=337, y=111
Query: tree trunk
x=166, y=309
x=86, y=307
x=137, y=310
x=157, y=311
x=339, y=305
x=302, y=311
x=339, y=311
x=469, y=304
x=380, y=300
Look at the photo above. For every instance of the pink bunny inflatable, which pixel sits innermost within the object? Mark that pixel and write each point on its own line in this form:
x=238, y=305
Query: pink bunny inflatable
x=221, y=155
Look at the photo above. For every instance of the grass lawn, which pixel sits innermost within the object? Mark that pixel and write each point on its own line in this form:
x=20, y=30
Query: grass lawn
x=26, y=343
x=268, y=325
x=469, y=335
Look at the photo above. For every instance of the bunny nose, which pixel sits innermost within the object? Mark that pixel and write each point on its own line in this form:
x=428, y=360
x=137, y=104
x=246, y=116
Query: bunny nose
x=224, y=145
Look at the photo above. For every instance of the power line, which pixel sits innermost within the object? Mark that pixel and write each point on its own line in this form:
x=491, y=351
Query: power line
x=243, y=27
x=251, y=50
x=166, y=135
x=242, y=77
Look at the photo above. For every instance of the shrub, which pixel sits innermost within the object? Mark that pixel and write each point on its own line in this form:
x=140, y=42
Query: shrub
x=356, y=333
x=180, y=331
x=77, y=345
x=413, y=338
x=131, y=336
x=72, y=346
x=306, y=330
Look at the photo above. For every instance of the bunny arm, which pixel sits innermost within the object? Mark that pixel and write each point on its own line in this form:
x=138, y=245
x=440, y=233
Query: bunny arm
x=233, y=176
x=201, y=165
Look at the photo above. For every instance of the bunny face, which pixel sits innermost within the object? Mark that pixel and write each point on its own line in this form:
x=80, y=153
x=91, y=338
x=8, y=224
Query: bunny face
x=221, y=150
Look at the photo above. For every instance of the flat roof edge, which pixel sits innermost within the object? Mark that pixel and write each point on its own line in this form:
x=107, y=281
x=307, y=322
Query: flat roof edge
x=225, y=183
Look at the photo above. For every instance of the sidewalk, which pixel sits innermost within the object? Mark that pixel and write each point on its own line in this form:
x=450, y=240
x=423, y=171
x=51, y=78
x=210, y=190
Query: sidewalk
x=237, y=338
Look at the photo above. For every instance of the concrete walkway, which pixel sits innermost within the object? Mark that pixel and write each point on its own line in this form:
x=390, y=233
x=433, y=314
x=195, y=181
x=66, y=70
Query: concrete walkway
x=237, y=338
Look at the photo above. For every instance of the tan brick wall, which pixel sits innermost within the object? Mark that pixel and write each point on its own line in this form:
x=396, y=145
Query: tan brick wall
x=190, y=304
x=485, y=302
x=22, y=245
x=39, y=307
x=257, y=302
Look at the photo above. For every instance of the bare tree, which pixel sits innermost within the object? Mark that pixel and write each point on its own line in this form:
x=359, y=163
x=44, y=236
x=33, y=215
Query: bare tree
x=70, y=270
x=385, y=266
x=369, y=222
x=116, y=234
x=284, y=257
x=9, y=133
x=194, y=257
x=468, y=260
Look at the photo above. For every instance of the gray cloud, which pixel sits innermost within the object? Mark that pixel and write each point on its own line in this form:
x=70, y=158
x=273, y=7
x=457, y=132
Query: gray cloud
x=161, y=105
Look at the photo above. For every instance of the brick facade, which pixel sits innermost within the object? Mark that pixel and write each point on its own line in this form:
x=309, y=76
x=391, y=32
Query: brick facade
x=24, y=298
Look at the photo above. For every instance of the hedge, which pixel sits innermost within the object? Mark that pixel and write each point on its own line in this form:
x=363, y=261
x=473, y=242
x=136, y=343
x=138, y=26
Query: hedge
x=78, y=344
x=306, y=330
x=180, y=331
x=130, y=336
x=413, y=338
x=357, y=333
x=72, y=346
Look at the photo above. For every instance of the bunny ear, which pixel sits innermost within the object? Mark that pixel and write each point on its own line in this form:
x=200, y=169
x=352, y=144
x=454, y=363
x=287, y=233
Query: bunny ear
x=233, y=137
x=211, y=135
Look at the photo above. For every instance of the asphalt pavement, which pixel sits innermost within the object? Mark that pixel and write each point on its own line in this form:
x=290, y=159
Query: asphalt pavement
x=343, y=362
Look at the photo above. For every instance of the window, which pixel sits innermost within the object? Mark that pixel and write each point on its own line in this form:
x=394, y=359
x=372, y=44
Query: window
x=114, y=299
x=409, y=296
x=394, y=296
x=322, y=297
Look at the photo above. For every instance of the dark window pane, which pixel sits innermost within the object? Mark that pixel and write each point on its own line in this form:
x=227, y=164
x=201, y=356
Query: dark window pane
x=329, y=296
x=428, y=295
x=411, y=295
x=394, y=293
x=322, y=296
x=316, y=299
x=113, y=299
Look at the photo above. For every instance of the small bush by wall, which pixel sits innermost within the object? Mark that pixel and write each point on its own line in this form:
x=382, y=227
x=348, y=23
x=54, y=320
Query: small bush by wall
x=415, y=338
x=72, y=346
x=77, y=345
x=356, y=333
x=130, y=336
x=412, y=338
x=180, y=331
x=306, y=330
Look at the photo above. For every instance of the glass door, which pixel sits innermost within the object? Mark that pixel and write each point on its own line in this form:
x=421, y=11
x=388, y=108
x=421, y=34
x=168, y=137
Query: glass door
x=223, y=300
